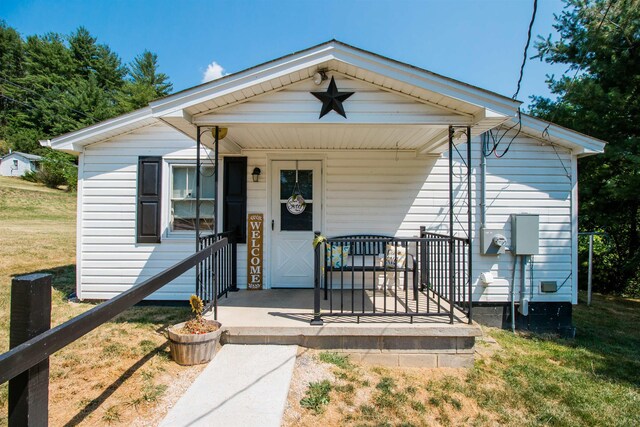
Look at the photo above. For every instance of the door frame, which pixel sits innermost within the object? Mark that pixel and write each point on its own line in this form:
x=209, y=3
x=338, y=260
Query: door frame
x=289, y=156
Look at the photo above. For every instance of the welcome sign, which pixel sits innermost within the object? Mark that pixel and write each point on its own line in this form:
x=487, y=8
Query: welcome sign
x=255, y=224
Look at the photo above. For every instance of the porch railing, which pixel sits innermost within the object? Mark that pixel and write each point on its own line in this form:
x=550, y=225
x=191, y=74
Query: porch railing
x=445, y=268
x=367, y=276
x=218, y=274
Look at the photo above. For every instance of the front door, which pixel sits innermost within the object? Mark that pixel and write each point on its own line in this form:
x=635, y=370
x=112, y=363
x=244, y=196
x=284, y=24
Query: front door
x=292, y=233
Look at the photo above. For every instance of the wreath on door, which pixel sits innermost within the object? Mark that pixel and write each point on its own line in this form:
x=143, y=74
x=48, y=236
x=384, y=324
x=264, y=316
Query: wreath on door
x=296, y=204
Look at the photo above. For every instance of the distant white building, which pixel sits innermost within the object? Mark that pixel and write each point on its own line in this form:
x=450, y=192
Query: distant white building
x=18, y=164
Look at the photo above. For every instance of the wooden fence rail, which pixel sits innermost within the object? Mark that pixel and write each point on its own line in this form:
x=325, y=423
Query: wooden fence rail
x=36, y=350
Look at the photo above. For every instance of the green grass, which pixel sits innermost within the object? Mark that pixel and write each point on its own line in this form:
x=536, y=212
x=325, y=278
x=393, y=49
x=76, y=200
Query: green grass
x=341, y=361
x=317, y=396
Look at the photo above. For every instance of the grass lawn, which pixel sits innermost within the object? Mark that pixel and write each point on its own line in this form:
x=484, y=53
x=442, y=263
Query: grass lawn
x=119, y=373
x=520, y=380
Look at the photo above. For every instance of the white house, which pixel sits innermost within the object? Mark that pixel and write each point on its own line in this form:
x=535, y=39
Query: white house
x=17, y=164
x=384, y=168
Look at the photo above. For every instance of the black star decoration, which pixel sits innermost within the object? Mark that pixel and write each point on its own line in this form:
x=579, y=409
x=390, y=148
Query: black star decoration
x=332, y=99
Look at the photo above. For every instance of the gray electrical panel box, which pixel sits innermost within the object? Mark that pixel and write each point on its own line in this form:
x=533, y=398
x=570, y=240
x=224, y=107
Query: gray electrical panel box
x=525, y=234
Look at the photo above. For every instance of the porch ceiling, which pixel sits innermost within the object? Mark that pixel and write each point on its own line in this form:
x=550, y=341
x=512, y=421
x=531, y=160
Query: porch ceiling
x=421, y=139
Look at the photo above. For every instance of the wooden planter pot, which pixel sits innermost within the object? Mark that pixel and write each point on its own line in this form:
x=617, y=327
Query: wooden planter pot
x=193, y=349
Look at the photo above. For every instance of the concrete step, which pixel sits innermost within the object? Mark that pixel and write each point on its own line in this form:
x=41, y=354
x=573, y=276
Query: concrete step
x=244, y=385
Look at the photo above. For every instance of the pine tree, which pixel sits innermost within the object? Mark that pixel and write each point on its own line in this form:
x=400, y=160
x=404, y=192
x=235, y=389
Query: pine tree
x=599, y=41
x=145, y=83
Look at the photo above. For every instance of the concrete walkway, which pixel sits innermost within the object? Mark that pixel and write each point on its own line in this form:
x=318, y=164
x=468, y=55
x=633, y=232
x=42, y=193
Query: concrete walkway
x=244, y=385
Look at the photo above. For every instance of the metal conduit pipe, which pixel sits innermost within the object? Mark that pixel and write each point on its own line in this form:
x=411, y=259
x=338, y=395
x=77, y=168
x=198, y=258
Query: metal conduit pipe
x=524, y=306
x=513, y=293
x=483, y=180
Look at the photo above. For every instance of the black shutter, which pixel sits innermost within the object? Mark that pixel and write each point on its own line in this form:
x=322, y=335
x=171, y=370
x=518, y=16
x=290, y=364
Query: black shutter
x=149, y=196
x=234, y=208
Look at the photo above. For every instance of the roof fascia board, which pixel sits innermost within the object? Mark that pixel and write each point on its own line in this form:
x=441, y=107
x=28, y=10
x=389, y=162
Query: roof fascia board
x=426, y=80
x=73, y=141
x=535, y=127
x=242, y=80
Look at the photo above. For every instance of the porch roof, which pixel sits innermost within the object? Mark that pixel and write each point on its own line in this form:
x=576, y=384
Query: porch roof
x=437, y=102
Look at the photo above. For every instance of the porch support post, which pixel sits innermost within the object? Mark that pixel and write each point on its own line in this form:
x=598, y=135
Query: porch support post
x=215, y=223
x=451, y=242
x=197, y=224
x=215, y=183
x=198, y=147
x=469, y=223
x=317, y=319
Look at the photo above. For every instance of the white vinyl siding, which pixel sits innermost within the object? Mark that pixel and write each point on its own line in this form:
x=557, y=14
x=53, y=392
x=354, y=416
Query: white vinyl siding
x=109, y=259
x=382, y=192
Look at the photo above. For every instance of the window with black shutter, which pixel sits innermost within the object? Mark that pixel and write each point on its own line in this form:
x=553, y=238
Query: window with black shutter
x=149, y=199
x=234, y=209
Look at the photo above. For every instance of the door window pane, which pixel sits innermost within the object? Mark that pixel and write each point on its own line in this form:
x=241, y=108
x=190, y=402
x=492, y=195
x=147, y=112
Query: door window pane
x=302, y=222
x=288, y=180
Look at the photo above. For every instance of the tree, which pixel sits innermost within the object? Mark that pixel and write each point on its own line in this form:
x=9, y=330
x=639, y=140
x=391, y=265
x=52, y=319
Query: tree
x=93, y=59
x=599, y=41
x=52, y=84
x=11, y=67
x=145, y=83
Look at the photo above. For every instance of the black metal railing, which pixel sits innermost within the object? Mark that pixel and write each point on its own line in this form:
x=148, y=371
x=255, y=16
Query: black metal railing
x=26, y=364
x=391, y=276
x=218, y=274
x=446, y=264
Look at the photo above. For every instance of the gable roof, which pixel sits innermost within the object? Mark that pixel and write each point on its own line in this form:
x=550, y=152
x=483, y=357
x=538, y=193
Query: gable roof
x=485, y=109
x=32, y=157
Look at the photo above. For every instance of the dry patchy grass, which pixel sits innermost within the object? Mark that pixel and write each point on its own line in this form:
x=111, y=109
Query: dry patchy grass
x=119, y=374
x=527, y=379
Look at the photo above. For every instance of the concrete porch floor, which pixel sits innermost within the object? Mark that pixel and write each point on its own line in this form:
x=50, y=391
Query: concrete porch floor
x=282, y=316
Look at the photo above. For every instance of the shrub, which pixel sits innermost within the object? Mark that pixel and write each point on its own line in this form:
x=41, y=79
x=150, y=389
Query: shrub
x=57, y=169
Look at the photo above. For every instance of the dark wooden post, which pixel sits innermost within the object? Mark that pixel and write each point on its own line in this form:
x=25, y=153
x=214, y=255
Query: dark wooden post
x=30, y=316
x=317, y=319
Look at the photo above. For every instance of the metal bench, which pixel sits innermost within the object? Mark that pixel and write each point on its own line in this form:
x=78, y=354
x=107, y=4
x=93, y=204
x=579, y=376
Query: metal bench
x=367, y=254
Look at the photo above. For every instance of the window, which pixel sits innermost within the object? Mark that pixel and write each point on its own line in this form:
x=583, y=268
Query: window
x=183, y=198
x=15, y=163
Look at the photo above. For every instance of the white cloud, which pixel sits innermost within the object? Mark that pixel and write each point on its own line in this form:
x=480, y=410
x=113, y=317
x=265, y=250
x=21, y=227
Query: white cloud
x=213, y=71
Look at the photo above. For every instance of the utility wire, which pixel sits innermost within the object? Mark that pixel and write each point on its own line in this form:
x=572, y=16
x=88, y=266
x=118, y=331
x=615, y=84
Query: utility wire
x=497, y=139
x=47, y=98
x=31, y=107
x=526, y=48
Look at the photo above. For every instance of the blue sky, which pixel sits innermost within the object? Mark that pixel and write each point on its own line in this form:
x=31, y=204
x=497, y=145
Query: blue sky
x=476, y=41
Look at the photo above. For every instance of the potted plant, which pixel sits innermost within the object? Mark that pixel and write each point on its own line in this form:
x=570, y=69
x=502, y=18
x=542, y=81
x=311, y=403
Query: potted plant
x=195, y=341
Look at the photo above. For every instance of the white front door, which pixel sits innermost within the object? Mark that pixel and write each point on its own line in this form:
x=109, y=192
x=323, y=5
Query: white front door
x=292, y=235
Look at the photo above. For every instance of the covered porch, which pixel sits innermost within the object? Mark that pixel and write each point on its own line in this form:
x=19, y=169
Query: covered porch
x=383, y=151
